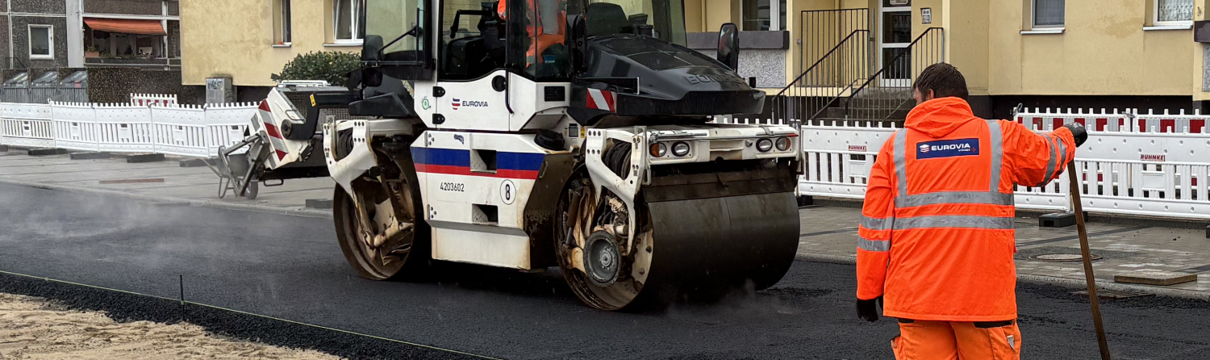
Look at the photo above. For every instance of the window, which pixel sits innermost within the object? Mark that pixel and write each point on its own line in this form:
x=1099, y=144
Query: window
x=755, y=15
x=1049, y=13
x=41, y=42
x=1173, y=12
x=346, y=15
x=285, y=22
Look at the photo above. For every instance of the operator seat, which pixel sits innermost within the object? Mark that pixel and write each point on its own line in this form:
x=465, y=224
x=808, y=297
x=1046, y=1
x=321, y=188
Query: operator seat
x=605, y=19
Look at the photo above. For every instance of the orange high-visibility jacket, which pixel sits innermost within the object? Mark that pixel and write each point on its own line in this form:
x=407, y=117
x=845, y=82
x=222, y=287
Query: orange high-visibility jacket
x=936, y=233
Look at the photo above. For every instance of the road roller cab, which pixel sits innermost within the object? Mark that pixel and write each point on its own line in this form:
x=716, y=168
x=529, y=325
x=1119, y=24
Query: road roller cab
x=569, y=134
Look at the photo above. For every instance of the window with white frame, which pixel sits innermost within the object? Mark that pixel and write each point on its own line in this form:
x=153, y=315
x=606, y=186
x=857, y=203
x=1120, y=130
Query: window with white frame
x=346, y=16
x=1049, y=13
x=41, y=42
x=1173, y=12
x=756, y=15
x=285, y=22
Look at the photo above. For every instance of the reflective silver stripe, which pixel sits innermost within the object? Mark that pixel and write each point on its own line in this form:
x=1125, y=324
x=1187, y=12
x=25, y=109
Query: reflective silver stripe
x=993, y=127
x=954, y=197
x=901, y=160
x=1050, y=164
x=1062, y=156
x=954, y=221
x=876, y=223
x=873, y=245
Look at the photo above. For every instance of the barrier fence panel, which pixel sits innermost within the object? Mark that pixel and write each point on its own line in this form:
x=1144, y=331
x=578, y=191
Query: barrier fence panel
x=226, y=123
x=1124, y=171
x=124, y=128
x=75, y=126
x=153, y=100
x=27, y=125
x=180, y=130
x=1124, y=120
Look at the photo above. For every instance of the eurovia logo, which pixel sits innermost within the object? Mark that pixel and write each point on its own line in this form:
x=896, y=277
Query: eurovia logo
x=924, y=148
x=457, y=103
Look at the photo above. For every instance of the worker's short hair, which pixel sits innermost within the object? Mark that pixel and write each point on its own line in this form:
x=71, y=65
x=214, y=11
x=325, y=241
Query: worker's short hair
x=944, y=80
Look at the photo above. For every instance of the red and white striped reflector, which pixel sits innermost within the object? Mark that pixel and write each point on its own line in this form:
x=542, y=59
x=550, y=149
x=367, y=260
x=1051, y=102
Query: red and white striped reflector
x=602, y=100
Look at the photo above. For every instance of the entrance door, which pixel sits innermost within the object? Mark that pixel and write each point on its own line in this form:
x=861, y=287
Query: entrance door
x=895, y=34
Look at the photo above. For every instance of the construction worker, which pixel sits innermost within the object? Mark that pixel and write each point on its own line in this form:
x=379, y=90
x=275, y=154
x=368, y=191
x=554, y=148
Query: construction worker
x=541, y=34
x=936, y=235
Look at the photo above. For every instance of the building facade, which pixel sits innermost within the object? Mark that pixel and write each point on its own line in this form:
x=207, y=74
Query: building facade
x=1056, y=53
x=123, y=46
x=246, y=42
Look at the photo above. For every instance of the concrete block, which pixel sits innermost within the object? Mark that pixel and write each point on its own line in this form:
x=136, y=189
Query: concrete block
x=1057, y=220
x=90, y=156
x=319, y=203
x=46, y=152
x=3, y=148
x=188, y=163
x=1162, y=278
x=144, y=158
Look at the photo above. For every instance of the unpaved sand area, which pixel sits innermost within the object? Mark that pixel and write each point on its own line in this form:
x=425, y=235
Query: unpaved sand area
x=32, y=328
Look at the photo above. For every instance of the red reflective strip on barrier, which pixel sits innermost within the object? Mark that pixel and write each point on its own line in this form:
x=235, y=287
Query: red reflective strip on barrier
x=1143, y=125
x=1167, y=125
x=1196, y=125
x=1037, y=123
x=1057, y=122
x=272, y=130
x=1194, y=181
x=281, y=154
x=1102, y=123
x=264, y=105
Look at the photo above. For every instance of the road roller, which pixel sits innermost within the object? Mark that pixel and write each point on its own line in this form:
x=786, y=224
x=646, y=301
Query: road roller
x=542, y=134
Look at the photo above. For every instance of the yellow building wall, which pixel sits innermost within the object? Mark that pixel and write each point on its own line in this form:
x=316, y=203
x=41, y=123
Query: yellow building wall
x=235, y=37
x=1103, y=51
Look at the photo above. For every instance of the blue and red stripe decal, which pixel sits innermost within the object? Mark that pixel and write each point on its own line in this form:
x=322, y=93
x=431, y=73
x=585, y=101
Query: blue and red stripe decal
x=509, y=165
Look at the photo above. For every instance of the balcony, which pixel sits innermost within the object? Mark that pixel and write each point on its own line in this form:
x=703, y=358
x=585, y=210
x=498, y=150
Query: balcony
x=132, y=61
x=128, y=42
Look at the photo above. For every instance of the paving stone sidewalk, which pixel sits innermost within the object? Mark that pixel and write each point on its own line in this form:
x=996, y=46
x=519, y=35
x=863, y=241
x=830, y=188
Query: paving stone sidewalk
x=827, y=233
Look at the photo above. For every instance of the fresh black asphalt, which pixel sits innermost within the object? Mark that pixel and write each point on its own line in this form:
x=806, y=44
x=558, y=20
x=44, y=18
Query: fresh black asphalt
x=291, y=268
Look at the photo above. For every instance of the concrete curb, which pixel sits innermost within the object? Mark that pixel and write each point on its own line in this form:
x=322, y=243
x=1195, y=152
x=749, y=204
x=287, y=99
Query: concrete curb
x=170, y=200
x=1106, y=284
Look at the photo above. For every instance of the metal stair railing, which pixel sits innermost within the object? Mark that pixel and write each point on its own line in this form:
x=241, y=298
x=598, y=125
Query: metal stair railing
x=884, y=94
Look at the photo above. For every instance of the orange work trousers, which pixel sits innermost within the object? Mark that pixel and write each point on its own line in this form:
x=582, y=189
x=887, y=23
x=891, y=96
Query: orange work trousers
x=944, y=340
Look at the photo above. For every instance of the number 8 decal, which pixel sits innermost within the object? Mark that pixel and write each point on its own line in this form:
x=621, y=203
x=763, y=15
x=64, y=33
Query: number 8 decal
x=508, y=192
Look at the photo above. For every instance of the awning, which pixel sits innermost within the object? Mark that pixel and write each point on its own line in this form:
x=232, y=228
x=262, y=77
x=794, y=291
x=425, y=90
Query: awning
x=127, y=26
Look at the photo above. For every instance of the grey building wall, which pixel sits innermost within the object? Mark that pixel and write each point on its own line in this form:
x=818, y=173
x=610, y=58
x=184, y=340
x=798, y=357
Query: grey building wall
x=8, y=63
x=57, y=7
x=174, y=8
x=20, y=38
x=129, y=7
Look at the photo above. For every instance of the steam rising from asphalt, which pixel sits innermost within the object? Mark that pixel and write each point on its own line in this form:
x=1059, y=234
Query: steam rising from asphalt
x=165, y=240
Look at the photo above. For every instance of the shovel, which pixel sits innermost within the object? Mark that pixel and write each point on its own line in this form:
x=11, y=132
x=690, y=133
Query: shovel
x=1092, y=281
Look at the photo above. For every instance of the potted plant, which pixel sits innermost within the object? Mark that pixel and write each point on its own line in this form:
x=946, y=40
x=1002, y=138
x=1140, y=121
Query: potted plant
x=92, y=52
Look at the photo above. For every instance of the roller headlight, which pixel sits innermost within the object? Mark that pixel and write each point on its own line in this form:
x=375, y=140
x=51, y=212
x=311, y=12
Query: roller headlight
x=764, y=145
x=680, y=149
x=783, y=144
x=659, y=150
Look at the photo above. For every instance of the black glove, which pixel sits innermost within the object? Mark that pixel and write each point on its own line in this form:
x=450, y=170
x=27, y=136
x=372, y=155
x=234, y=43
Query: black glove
x=866, y=309
x=1077, y=132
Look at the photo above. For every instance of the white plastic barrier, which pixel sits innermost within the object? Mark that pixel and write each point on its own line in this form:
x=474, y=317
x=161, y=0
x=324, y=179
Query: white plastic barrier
x=180, y=130
x=153, y=100
x=226, y=123
x=27, y=125
x=1127, y=120
x=75, y=126
x=1122, y=172
x=124, y=128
